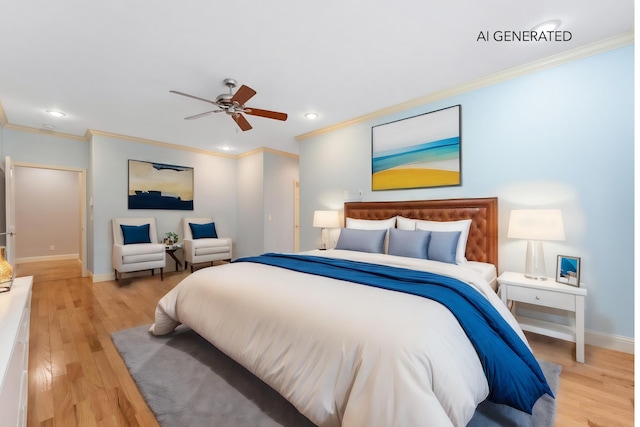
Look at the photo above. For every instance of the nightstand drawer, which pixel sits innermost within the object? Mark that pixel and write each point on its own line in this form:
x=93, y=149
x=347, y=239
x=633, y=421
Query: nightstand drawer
x=542, y=297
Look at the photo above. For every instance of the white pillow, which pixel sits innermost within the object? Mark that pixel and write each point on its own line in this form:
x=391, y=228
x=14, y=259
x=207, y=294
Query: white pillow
x=405, y=223
x=371, y=224
x=462, y=226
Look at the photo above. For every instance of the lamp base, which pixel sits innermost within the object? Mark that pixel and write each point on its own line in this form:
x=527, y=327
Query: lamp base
x=324, y=238
x=534, y=265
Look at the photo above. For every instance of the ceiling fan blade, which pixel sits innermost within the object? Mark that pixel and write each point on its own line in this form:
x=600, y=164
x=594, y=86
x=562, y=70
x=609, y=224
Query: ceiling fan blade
x=241, y=121
x=194, y=97
x=266, y=113
x=197, y=116
x=243, y=94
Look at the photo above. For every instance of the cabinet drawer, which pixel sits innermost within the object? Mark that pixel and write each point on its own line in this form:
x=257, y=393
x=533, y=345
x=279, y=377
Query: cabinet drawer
x=542, y=297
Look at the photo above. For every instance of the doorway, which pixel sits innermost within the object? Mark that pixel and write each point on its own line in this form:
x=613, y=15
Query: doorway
x=50, y=217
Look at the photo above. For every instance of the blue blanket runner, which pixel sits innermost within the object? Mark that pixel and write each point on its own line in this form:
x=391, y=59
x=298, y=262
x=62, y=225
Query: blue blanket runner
x=513, y=374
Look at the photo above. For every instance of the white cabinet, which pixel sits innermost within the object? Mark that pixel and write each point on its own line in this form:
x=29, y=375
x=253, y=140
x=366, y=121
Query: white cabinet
x=547, y=293
x=15, y=308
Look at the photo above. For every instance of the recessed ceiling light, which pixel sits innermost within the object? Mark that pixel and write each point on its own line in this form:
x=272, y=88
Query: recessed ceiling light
x=311, y=116
x=551, y=25
x=225, y=148
x=55, y=113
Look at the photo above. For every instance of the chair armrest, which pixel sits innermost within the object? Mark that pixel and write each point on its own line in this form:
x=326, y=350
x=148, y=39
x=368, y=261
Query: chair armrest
x=188, y=246
x=116, y=255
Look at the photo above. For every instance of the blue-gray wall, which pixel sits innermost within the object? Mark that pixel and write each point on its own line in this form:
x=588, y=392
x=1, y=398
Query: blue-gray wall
x=562, y=137
x=214, y=191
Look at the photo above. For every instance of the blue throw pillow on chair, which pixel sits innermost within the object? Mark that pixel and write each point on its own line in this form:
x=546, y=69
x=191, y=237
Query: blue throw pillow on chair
x=203, y=231
x=135, y=234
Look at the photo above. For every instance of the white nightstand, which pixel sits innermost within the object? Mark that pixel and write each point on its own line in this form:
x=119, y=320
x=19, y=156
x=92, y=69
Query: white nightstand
x=547, y=293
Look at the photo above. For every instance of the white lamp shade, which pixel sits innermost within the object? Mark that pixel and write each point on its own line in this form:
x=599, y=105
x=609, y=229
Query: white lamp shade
x=326, y=219
x=536, y=224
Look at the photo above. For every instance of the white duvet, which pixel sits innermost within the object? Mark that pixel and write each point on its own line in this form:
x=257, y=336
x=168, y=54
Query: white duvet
x=343, y=354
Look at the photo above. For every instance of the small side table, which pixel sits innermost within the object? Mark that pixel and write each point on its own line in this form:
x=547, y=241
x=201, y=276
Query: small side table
x=171, y=251
x=547, y=293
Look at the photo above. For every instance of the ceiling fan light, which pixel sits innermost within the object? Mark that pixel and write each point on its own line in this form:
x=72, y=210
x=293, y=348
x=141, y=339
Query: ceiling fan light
x=56, y=113
x=311, y=116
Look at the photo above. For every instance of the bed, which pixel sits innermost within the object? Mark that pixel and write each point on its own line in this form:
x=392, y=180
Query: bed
x=354, y=338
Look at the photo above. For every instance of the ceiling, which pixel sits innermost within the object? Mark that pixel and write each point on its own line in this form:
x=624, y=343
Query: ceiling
x=109, y=65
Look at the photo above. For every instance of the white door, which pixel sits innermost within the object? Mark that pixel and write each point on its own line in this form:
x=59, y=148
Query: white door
x=10, y=206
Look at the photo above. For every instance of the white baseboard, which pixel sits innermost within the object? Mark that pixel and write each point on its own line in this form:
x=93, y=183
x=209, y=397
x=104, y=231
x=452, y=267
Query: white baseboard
x=47, y=258
x=609, y=341
x=102, y=277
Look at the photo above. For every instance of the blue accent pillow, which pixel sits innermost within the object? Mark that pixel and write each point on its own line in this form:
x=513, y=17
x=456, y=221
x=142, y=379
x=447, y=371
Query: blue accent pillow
x=407, y=243
x=353, y=239
x=443, y=245
x=203, y=231
x=135, y=234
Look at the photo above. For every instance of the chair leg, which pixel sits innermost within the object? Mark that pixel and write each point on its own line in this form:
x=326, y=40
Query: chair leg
x=161, y=275
x=116, y=275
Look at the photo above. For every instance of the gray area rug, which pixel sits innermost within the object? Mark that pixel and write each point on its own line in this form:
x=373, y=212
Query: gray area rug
x=188, y=382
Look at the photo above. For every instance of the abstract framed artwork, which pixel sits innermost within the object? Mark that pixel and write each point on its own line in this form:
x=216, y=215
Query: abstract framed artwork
x=417, y=152
x=160, y=186
x=568, y=270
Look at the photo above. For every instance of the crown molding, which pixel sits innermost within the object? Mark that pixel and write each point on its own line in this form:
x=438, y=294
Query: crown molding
x=92, y=132
x=601, y=46
x=3, y=117
x=268, y=150
x=44, y=132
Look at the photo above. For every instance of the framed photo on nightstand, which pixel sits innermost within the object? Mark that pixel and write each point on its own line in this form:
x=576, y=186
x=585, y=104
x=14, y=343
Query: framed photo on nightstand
x=568, y=270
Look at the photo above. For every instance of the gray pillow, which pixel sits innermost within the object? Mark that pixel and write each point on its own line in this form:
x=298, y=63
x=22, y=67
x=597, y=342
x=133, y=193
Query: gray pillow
x=352, y=239
x=412, y=244
x=442, y=246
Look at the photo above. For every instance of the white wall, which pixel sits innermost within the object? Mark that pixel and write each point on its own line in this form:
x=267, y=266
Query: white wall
x=562, y=137
x=250, y=205
x=265, y=203
x=47, y=213
x=44, y=149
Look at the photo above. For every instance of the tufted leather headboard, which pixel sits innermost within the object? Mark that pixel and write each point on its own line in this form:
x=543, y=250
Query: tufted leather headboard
x=482, y=244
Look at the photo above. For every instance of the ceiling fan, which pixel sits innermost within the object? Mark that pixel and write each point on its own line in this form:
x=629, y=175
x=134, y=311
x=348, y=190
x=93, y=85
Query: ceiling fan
x=233, y=105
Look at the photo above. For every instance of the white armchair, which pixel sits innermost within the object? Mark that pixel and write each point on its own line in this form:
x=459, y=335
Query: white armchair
x=136, y=246
x=202, y=247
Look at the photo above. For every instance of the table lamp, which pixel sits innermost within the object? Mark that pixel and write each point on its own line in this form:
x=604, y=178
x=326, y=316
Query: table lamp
x=325, y=220
x=535, y=226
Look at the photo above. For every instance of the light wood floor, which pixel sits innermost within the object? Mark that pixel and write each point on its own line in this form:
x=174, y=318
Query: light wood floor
x=77, y=378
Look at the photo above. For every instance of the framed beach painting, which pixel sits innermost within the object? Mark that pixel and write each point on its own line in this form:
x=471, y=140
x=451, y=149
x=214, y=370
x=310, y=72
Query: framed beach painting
x=160, y=186
x=568, y=270
x=417, y=152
